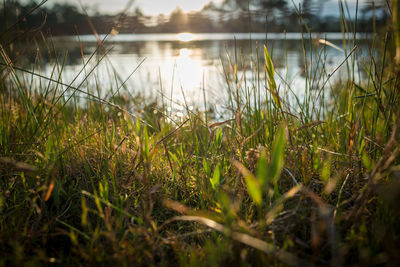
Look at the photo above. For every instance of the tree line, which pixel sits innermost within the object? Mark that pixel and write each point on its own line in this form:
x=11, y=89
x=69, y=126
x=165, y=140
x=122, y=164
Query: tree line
x=229, y=16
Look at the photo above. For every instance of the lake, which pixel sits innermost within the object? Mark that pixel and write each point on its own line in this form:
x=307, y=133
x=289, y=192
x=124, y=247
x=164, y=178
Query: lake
x=185, y=68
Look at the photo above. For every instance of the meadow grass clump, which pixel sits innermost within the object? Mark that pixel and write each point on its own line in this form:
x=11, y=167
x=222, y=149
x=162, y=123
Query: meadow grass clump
x=285, y=181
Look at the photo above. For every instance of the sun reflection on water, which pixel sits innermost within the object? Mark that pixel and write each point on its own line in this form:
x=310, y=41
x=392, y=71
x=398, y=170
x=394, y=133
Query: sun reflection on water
x=190, y=70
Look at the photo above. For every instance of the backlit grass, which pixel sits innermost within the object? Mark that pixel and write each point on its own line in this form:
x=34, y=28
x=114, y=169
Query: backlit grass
x=285, y=181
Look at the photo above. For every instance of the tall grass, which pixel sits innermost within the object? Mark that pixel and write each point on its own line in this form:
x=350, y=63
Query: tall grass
x=285, y=181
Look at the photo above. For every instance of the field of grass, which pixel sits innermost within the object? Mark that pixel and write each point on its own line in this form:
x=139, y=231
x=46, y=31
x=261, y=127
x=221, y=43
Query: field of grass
x=303, y=182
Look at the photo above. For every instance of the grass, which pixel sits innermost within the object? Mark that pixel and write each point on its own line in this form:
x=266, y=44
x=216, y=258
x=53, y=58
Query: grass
x=283, y=182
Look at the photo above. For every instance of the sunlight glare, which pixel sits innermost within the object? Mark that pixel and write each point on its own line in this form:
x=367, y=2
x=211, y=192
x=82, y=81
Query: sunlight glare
x=184, y=53
x=185, y=37
x=190, y=72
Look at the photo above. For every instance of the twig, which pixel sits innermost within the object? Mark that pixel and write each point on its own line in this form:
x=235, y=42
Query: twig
x=270, y=249
x=291, y=175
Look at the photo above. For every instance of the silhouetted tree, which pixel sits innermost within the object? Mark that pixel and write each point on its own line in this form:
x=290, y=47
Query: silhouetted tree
x=229, y=16
x=177, y=21
x=197, y=22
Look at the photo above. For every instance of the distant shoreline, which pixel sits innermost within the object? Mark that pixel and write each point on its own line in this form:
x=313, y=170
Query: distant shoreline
x=144, y=37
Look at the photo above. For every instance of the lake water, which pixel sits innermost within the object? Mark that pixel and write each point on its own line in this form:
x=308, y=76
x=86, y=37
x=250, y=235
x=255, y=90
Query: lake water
x=186, y=67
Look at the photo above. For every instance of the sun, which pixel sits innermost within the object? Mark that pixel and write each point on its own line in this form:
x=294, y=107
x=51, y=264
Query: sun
x=185, y=37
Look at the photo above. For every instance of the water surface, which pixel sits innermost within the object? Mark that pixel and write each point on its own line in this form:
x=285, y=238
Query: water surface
x=184, y=69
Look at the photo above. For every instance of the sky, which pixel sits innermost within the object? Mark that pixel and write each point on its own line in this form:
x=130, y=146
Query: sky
x=155, y=7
